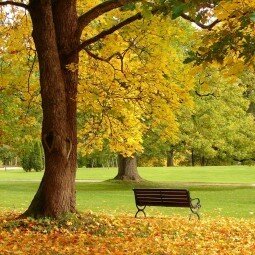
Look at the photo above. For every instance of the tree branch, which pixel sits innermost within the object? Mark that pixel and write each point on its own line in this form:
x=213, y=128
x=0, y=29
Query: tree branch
x=98, y=10
x=109, y=31
x=204, y=95
x=244, y=159
x=15, y=4
x=95, y=56
x=199, y=24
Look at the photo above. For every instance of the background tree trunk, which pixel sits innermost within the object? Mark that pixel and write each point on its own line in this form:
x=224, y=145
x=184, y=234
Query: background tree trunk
x=192, y=157
x=203, y=161
x=54, y=37
x=127, y=169
x=170, y=158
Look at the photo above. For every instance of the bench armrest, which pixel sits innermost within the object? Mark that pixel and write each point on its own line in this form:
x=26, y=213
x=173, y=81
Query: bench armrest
x=195, y=203
x=195, y=206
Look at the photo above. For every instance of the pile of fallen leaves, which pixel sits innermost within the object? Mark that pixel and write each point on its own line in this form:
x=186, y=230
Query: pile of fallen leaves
x=100, y=234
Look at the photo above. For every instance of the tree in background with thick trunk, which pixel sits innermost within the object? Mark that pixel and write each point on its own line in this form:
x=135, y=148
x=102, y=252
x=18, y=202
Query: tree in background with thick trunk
x=127, y=169
x=132, y=92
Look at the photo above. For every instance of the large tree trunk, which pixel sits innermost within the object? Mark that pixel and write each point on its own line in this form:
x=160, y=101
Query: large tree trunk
x=54, y=27
x=127, y=169
x=170, y=158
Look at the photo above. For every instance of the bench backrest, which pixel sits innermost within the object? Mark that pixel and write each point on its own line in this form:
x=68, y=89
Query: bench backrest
x=162, y=197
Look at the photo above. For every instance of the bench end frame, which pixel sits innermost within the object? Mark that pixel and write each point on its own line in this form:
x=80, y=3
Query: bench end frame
x=139, y=209
x=194, y=207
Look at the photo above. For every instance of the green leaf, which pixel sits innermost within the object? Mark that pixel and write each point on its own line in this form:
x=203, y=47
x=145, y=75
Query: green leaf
x=166, y=76
x=252, y=16
x=178, y=10
x=128, y=7
x=191, y=57
x=188, y=60
x=146, y=12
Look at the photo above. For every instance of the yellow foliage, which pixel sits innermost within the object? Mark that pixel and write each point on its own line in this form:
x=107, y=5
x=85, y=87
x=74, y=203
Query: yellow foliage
x=227, y=8
x=137, y=84
x=19, y=84
x=72, y=67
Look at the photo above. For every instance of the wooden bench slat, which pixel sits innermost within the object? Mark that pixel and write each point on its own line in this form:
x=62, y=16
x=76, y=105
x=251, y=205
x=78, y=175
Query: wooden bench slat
x=164, y=204
x=164, y=197
x=158, y=191
x=161, y=192
x=161, y=195
x=163, y=189
x=163, y=200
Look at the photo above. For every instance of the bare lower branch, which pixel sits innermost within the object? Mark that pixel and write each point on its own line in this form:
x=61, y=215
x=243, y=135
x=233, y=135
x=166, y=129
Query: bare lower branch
x=95, y=56
x=98, y=10
x=15, y=4
x=107, y=32
x=199, y=24
x=204, y=95
x=30, y=74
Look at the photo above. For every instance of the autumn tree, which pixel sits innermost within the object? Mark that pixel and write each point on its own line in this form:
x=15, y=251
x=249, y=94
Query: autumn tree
x=131, y=92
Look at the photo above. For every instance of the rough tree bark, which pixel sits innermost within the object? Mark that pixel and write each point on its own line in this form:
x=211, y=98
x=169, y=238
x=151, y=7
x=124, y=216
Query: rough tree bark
x=127, y=169
x=55, y=36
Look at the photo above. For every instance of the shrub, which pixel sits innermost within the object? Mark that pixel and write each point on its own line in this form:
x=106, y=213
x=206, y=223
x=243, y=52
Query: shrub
x=36, y=157
x=32, y=158
x=26, y=161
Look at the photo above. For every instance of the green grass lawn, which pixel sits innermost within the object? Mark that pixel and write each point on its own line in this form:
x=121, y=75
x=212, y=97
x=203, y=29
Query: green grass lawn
x=116, y=198
x=214, y=174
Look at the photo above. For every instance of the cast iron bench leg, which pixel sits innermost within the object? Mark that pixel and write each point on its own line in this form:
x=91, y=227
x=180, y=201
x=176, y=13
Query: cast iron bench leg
x=196, y=213
x=140, y=210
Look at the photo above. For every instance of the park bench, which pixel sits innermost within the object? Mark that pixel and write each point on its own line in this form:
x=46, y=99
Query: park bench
x=165, y=197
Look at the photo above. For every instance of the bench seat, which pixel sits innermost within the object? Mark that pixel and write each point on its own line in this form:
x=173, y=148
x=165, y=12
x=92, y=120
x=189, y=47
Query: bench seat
x=165, y=197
